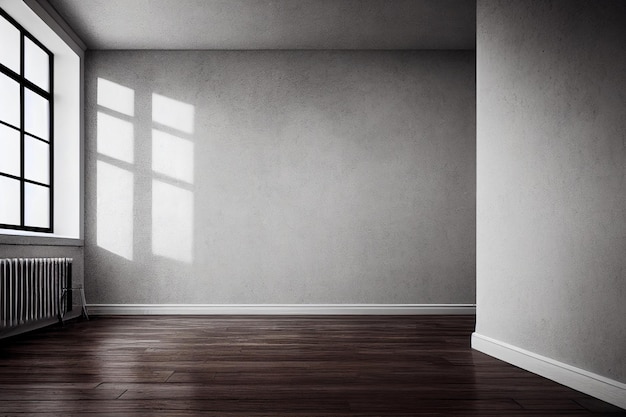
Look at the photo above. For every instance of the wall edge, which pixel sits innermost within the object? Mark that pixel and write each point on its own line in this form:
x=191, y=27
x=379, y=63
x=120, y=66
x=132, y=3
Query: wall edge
x=606, y=389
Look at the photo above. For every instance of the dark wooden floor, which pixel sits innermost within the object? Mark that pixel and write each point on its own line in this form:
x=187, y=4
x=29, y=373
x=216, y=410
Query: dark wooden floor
x=272, y=366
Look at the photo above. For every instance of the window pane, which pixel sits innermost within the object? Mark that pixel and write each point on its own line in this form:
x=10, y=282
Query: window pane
x=36, y=160
x=36, y=64
x=9, y=101
x=36, y=205
x=9, y=151
x=10, y=201
x=10, y=45
x=36, y=114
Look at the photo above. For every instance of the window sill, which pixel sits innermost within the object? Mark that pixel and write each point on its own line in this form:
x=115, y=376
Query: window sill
x=39, y=240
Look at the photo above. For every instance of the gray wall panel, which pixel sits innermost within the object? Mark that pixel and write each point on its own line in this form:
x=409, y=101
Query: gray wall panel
x=284, y=177
x=551, y=189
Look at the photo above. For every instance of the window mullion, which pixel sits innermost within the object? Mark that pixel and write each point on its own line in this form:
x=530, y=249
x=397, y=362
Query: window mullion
x=36, y=89
x=24, y=81
x=22, y=146
x=51, y=140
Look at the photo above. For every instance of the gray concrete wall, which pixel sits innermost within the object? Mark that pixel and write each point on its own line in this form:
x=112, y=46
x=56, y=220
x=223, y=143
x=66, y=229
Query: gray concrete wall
x=277, y=177
x=551, y=183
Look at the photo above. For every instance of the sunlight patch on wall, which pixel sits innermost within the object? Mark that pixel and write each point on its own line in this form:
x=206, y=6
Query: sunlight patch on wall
x=173, y=166
x=115, y=138
x=115, y=209
x=172, y=156
x=172, y=113
x=116, y=97
x=172, y=221
x=115, y=181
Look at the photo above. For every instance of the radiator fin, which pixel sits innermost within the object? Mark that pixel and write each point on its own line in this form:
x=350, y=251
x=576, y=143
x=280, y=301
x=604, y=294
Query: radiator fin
x=32, y=289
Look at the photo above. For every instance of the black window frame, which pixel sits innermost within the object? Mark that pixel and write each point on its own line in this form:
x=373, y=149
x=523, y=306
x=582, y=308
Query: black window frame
x=49, y=96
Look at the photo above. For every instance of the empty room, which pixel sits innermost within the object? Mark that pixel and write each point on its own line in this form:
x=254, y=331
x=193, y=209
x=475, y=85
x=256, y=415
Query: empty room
x=312, y=208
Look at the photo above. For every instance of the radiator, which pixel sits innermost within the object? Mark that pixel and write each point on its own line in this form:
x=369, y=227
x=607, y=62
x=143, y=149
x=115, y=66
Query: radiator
x=33, y=289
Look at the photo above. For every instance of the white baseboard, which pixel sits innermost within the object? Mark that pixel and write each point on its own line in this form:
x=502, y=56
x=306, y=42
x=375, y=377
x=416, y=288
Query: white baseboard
x=280, y=309
x=611, y=391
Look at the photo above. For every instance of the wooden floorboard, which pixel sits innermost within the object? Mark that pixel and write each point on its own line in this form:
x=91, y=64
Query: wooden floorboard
x=272, y=366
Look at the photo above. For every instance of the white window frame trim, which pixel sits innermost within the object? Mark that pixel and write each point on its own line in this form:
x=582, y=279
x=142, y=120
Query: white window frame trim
x=43, y=23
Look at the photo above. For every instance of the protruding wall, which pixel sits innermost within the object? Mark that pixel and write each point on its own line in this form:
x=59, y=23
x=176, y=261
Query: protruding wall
x=551, y=183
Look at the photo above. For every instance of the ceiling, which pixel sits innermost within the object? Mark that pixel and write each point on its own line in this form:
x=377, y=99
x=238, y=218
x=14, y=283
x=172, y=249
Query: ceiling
x=272, y=24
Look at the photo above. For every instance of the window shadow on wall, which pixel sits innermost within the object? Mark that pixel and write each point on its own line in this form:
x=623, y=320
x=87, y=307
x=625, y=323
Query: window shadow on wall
x=143, y=169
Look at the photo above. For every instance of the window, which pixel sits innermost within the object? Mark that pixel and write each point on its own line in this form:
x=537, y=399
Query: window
x=26, y=130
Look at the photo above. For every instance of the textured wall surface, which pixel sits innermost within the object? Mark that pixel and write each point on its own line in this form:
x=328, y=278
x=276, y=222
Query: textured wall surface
x=551, y=183
x=280, y=177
